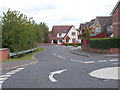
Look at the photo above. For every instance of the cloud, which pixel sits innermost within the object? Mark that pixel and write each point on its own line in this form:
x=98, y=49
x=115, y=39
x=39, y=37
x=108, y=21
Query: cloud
x=55, y=12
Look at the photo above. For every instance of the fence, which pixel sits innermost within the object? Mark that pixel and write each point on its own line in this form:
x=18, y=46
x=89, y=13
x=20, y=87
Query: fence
x=21, y=52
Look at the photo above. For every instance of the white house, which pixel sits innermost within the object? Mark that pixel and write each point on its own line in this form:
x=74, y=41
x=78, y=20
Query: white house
x=63, y=33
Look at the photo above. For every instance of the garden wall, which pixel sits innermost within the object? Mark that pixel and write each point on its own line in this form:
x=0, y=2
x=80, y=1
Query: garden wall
x=4, y=54
x=86, y=47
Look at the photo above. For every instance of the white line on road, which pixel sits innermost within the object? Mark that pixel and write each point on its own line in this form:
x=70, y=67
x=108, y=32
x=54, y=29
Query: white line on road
x=2, y=76
x=54, y=54
x=1, y=82
x=7, y=75
x=114, y=60
x=20, y=68
x=0, y=86
x=55, y=72
x=61, y=57
x=116, y=63
x=75, y=60
x=89, y=62
x=102, y=61
x=3, y=79
x=10, y=73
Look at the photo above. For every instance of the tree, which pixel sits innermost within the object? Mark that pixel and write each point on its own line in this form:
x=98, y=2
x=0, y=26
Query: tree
x=42, y=32
x=17, y=31
x=20, y=33
x=86, y=34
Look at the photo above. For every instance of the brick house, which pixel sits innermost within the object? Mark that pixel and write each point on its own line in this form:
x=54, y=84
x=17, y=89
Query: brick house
x=116, y=20
x=100, y=21
x=63, y=33
x=83, y=26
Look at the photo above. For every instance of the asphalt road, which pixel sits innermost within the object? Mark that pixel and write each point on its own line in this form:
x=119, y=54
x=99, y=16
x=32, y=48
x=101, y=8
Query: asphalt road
x=74, y=74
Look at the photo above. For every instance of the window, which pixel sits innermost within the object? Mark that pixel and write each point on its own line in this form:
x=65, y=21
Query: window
x=60, y=34
x=73, y=40
x=60, y=41
x=111, y=27
x=97, y=29
x=73, y=33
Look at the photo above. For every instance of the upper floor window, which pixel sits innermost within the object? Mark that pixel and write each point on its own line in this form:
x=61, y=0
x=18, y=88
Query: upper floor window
x=111, y=27
x=97, y=29
x=73, y=33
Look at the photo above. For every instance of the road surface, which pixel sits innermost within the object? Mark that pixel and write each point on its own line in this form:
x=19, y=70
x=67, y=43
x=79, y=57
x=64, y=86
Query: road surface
x=58, y=68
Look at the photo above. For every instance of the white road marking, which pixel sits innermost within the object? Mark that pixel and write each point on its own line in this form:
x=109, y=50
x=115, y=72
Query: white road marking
x=61, y=57
x=54, y=54
x=89, y=62
x=10, y=73
x=7, y=75
x=114, y=60
x=102, y=61
x=53, y=73
x=3, y=79
x=1, y=82
x=74, y=60
x=20, y=68
x=116, y=63
x=2, y=76
x=106, y=73
x=0, y=86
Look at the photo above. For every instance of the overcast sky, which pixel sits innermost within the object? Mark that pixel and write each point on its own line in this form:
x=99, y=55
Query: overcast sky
x=60, y=12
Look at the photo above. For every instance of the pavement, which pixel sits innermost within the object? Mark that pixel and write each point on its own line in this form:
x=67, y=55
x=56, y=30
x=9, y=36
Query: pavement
x=79, y=51
x=17, y=64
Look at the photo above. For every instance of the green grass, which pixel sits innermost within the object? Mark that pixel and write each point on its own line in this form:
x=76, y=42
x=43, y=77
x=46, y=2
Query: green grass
x=26, y=57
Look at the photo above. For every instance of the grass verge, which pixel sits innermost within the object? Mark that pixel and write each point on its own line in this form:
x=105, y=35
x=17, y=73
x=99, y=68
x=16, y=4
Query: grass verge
x=26, y=57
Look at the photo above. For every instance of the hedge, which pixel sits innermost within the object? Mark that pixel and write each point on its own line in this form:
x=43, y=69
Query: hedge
x=105, y=43
x=72, y=44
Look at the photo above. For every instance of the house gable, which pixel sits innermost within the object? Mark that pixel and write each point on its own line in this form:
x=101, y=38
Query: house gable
x=71, y=37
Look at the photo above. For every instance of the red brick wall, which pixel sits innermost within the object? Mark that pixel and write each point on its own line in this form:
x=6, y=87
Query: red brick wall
x=108, y=51
x=116, y=22
x=4, y=54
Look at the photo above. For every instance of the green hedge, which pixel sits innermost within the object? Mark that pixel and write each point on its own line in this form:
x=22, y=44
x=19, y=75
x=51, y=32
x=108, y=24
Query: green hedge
x=72, y=44
x=105, y=43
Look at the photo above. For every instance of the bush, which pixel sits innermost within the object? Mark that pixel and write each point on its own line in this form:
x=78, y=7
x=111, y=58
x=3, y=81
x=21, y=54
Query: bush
x=75, y=45
x=105, y=43
x=68, y=44
x=78, y=44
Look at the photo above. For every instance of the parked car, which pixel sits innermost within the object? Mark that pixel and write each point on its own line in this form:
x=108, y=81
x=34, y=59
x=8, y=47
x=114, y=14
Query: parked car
x=63, y=43
x=78, y=41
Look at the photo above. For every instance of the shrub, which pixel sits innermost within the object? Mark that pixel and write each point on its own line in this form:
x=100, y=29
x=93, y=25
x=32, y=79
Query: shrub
x=75, y=45
x=105, y=43
x=78, y=44
x=68, y=44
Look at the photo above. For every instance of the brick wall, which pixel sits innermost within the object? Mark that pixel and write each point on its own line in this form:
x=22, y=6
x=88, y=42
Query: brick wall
x=4, y=54
x=103, y=51
x=116, y=22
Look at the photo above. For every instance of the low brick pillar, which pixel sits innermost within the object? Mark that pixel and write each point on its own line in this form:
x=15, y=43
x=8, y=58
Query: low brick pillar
x=4, y=54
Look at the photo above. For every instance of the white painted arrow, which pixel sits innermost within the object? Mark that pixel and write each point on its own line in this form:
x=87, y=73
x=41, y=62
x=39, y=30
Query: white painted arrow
x=55, y=72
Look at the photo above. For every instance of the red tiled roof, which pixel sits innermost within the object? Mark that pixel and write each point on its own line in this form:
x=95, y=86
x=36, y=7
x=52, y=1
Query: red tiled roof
x=61, y=29
x=51, y=37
